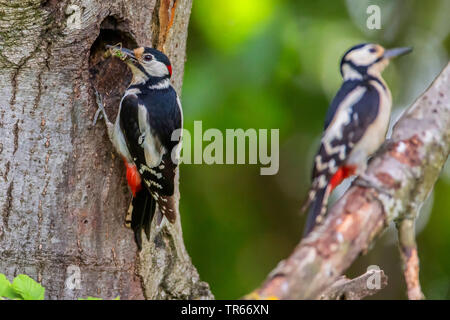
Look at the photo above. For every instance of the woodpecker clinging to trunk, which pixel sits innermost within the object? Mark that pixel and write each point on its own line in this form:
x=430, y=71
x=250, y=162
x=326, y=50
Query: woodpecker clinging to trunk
x=149, y=113
x=355, y=125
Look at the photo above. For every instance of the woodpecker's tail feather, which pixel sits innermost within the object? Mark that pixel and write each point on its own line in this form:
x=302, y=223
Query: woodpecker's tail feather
x=166, y=205
x=317, y=209
x=307, y=203
x=318, y=196
x=142, y=212
x=149, y=217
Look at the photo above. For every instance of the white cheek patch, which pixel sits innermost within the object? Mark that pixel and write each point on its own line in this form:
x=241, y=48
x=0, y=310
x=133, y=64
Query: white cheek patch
x=362, y=56
x=156, y=68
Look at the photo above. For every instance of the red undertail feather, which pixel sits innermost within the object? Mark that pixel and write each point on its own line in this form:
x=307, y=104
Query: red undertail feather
x=340, y=175
x=133, y=178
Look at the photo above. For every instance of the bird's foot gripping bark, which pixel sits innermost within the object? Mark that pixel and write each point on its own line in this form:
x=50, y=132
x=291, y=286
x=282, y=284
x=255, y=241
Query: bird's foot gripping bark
x=364, y=181
x=101, y=109
x=101, y=113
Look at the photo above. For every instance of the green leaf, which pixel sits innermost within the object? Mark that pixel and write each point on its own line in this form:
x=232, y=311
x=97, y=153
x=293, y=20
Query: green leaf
x=6, y=290
x=27, y=288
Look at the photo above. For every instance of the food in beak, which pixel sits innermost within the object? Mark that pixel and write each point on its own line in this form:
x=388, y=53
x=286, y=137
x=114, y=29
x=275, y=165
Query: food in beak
x=119, y=52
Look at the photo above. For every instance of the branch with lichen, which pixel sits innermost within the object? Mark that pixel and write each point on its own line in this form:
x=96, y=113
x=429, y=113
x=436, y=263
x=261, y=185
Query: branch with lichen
x=357, y=288
x=398, y=180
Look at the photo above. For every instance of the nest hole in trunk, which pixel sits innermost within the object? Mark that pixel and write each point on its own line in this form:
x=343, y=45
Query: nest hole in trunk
x=110, y=76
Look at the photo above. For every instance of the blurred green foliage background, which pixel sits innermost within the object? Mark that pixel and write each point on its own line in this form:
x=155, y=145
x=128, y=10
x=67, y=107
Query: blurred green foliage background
x=274, y=64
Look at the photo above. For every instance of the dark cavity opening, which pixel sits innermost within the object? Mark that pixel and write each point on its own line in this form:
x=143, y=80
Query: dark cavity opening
x=110, y=76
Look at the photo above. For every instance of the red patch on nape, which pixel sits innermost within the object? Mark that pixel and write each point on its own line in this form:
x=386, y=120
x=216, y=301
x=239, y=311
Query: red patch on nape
x=133, y=178
x=340, y=175
x=169, y=67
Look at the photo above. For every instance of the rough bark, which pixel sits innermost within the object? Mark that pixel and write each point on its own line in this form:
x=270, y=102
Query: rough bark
x=64, y=196
x=398, y=180
x=410, y=256
x=354, y=289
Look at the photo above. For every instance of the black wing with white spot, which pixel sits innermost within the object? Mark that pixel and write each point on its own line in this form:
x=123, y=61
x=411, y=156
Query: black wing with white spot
x=351, y=112
x=163, y=118
x=336, y=146
x=147, y=122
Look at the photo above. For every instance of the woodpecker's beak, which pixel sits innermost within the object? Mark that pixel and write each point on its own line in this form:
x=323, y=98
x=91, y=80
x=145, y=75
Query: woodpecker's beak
x=392, y=53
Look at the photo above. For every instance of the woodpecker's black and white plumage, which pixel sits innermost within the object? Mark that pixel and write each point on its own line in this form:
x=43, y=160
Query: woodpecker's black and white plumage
x=147, y=134
x=355, y=125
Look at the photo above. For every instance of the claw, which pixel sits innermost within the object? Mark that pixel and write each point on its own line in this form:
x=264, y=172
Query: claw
x=101, y=109
x=363, y=181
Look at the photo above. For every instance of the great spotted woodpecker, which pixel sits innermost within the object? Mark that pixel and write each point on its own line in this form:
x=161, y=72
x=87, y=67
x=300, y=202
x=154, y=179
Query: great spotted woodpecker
x=149, y=113
x=355, y=125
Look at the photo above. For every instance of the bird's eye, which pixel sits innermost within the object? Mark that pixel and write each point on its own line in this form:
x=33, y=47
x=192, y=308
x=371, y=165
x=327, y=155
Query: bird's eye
x=148, y=57
x=373, y=50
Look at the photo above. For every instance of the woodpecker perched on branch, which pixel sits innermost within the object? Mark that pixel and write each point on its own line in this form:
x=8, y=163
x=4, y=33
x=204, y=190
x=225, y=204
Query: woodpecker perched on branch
x=355, y=125
x=149, y=114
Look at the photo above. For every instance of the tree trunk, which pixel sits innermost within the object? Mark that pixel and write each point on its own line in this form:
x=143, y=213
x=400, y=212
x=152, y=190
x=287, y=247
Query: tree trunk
x=64, y=196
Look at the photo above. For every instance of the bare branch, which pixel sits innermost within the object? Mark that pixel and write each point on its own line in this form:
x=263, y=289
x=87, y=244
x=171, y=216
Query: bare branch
x=355, y=289
x=399, y=179
x=410, y=258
